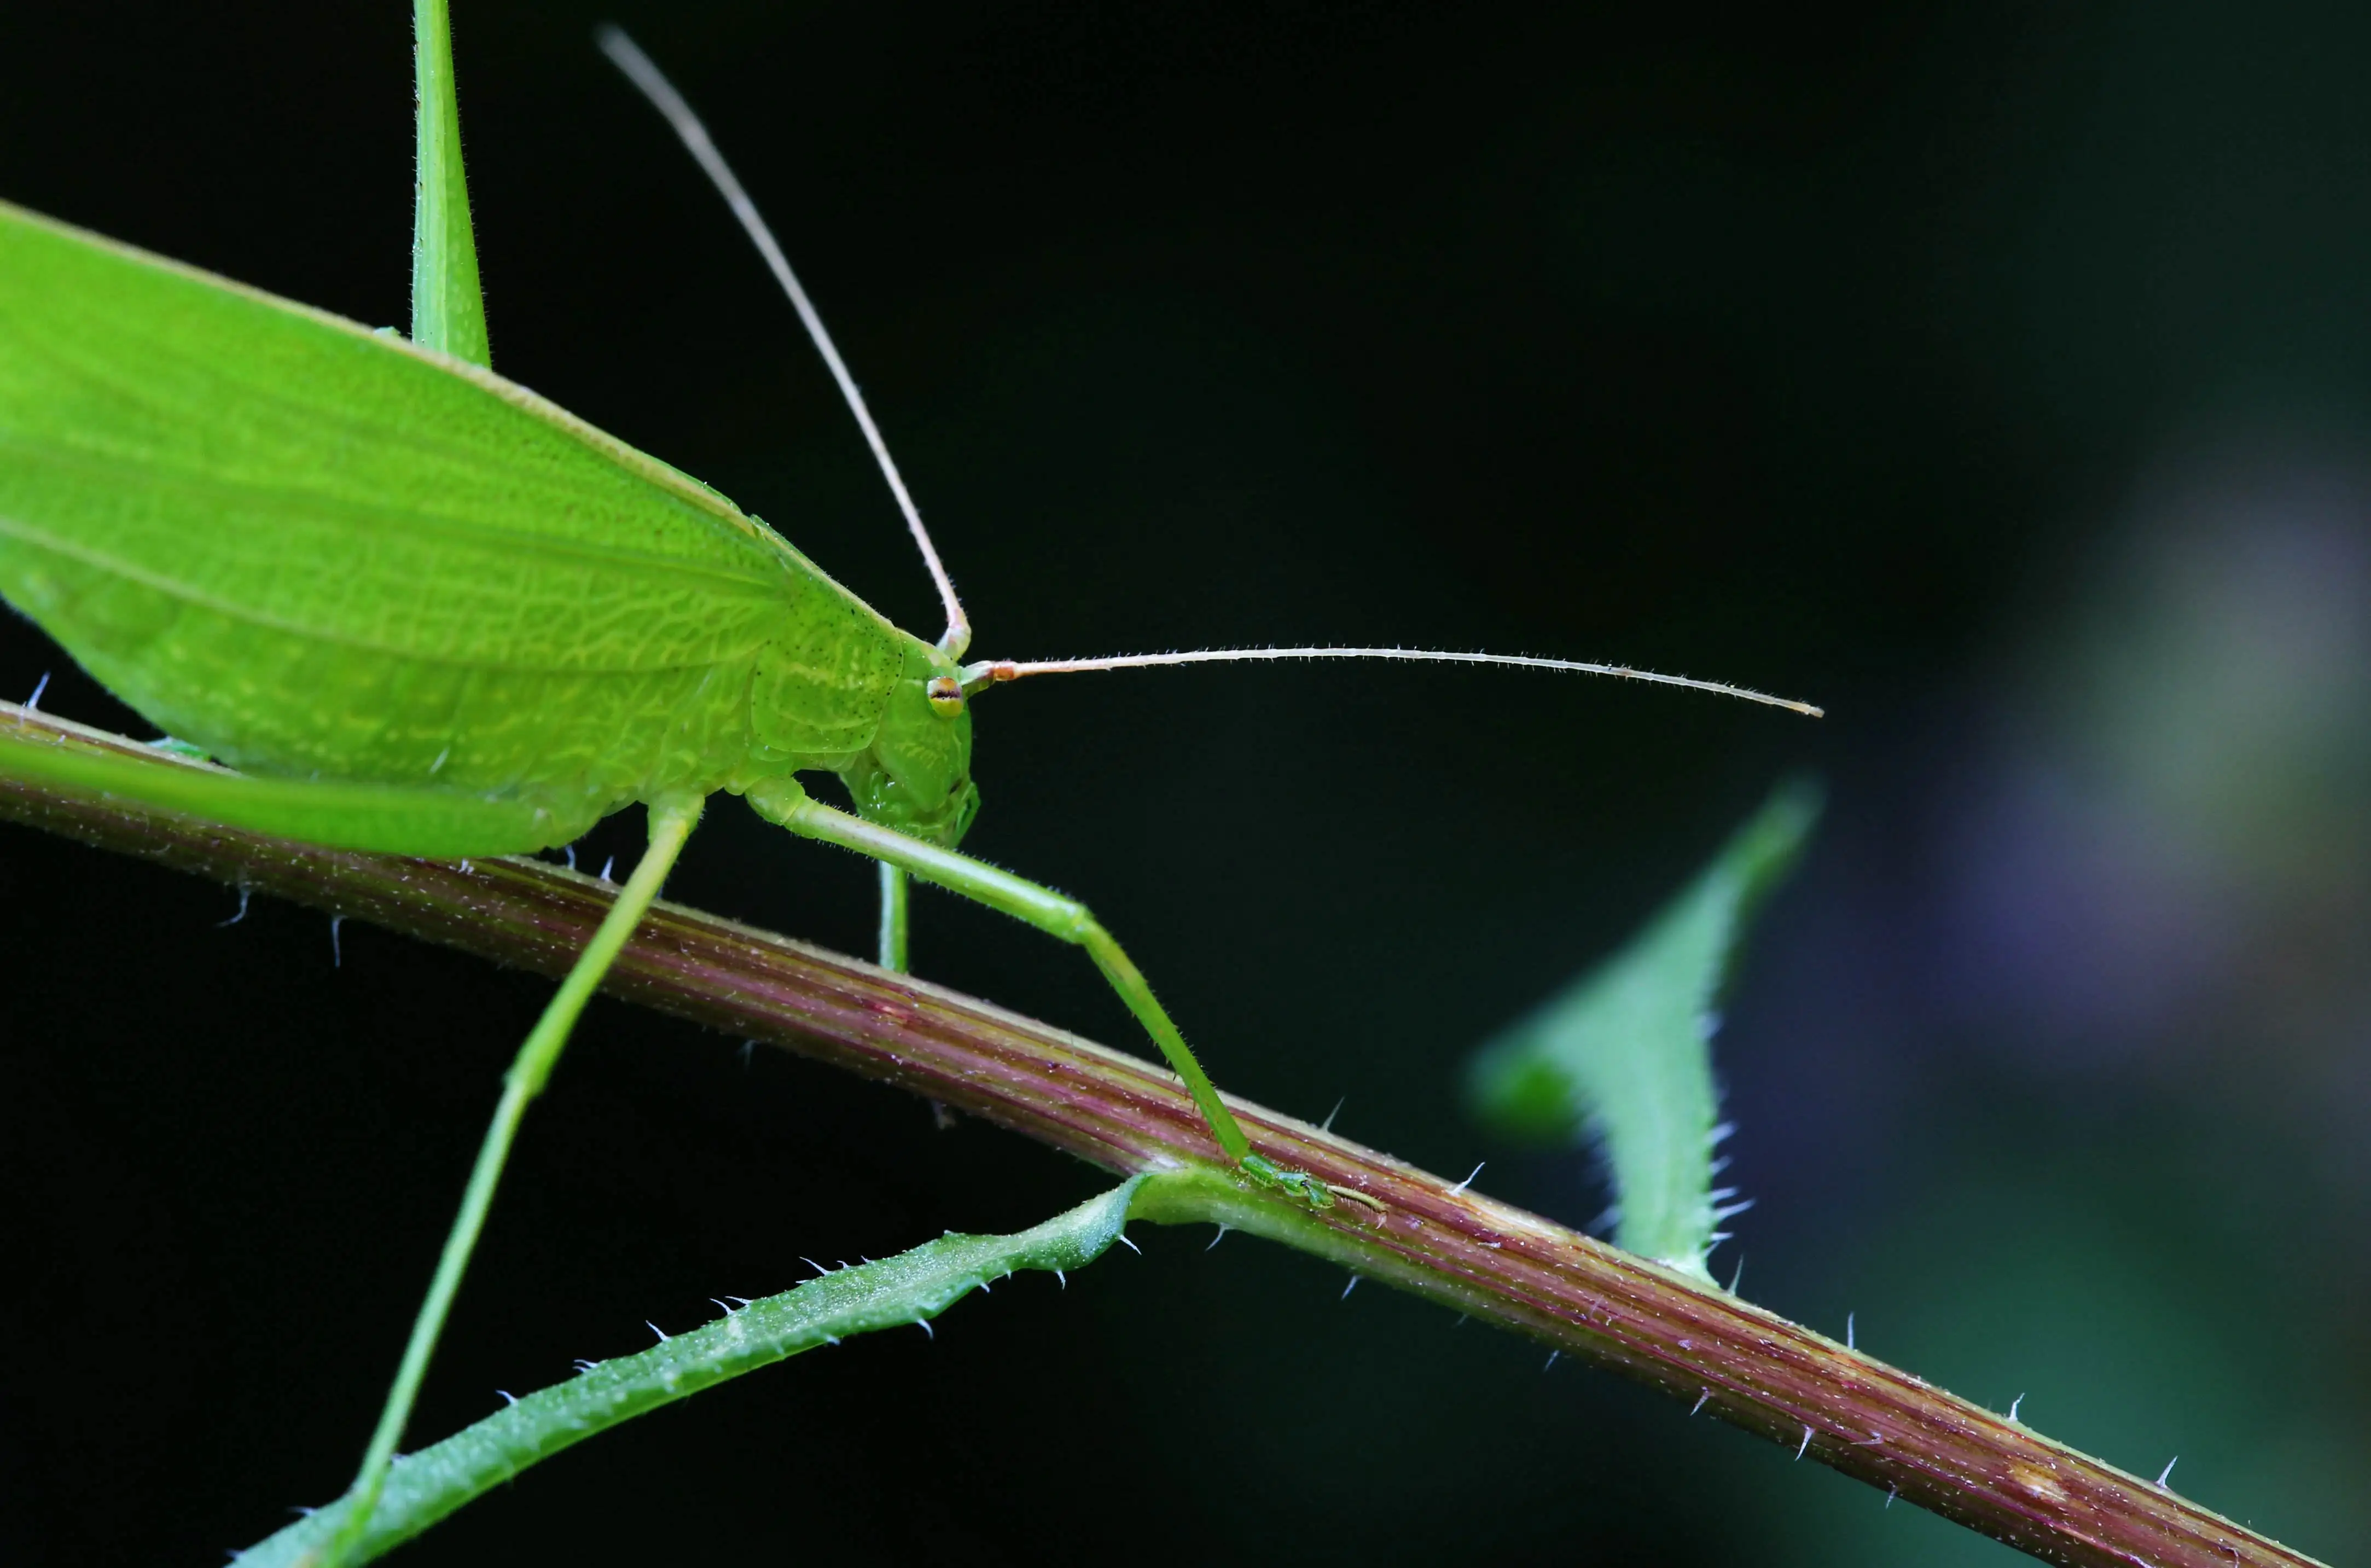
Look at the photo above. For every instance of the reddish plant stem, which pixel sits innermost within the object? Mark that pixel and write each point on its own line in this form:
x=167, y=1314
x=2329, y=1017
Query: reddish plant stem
x=1466, y=1251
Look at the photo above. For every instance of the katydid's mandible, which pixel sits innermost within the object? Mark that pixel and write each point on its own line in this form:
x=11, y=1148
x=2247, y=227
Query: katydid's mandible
x=420, y=610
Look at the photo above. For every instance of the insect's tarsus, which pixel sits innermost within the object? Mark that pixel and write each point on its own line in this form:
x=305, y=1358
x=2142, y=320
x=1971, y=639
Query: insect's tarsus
x=628, y=56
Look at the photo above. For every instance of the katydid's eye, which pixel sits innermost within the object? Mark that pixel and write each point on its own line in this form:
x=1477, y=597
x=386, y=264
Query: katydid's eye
x=946, y=695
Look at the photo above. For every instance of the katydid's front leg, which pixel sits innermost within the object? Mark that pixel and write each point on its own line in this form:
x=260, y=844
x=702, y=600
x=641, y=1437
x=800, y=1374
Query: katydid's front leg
x=785, y=802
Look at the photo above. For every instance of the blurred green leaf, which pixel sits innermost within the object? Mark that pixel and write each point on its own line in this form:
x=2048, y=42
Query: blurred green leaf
x=1625, y=1053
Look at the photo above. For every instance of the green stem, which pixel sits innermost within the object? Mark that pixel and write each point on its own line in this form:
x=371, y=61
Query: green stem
x=895, y=1292
x=1431, y=1236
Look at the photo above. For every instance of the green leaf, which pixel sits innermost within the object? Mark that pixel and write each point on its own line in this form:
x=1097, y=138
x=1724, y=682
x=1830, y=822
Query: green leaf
x=1625, y=1053
x=896, y=1293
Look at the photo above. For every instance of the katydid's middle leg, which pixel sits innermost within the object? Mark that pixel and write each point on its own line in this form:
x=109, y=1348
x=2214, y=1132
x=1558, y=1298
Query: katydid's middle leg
x=672, y=820
x=893, y=917
x=784, y=802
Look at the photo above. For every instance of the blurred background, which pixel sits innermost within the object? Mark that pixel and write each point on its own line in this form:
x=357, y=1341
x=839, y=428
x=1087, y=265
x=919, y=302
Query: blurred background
x=1999, y=377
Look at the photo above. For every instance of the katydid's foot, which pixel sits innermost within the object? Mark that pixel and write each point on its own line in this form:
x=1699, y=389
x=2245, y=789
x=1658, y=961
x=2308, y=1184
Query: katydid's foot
x=1298, y=1185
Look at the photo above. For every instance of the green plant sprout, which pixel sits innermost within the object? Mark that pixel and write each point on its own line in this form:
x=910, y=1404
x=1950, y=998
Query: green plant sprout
x=1623, y=1055
x=415, y=609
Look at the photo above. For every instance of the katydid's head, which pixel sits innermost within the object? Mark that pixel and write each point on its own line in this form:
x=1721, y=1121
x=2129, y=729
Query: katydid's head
x=916, y=775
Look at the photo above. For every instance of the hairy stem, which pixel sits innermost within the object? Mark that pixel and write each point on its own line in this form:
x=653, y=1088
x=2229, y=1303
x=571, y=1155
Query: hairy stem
x=861, y=1298
x=1425, y=1233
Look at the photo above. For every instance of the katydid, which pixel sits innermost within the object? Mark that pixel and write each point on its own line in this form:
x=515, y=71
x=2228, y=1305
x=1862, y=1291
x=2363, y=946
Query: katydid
x=420, y=610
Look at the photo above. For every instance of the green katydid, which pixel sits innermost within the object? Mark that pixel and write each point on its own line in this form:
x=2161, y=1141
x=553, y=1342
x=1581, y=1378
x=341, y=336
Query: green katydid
x=423, y=611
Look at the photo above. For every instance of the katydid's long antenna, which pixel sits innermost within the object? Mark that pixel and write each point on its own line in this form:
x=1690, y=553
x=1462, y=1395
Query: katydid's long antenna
x=996, y=671
x=627, y=57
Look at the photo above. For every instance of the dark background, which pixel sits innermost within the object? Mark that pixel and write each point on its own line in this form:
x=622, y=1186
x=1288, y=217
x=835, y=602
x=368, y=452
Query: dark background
x=1995, y=374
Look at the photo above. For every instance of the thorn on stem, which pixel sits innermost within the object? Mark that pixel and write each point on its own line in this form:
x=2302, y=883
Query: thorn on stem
x=1702, y=1395
x=2166, y=1474
x=33, y=703
x=1552, y=1360
x=1223, y=1228
x=245, y=892
x=2013, y=1404
x=1349, y=1288
x=1801, y=1447
x=1131, y=1246
x=337, y=946
x=1469, y=1178
x=1327, y=1125
x=1849, y=1343
x=924, y=1324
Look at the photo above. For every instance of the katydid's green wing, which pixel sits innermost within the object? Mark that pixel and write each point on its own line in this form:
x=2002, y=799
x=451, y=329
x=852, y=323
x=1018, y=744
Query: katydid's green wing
x=319, y=551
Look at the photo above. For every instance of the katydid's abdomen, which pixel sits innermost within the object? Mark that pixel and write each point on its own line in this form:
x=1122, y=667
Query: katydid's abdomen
x=324, y=555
